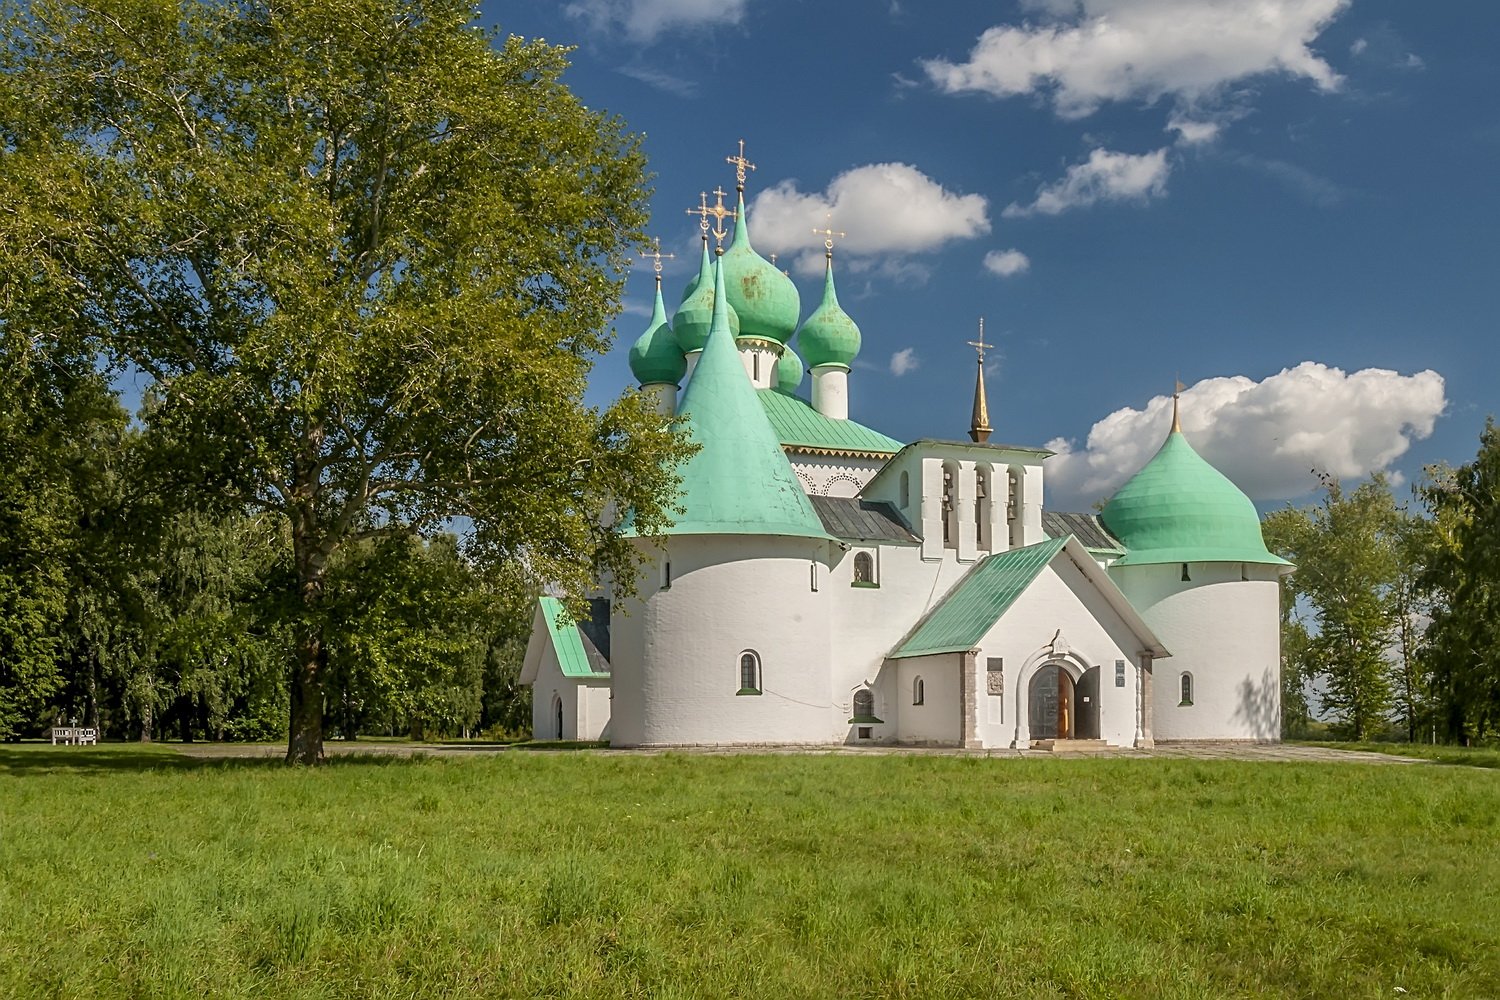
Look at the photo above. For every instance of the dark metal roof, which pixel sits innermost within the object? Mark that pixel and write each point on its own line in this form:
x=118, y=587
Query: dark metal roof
x=1087, y=527
x=862, y=520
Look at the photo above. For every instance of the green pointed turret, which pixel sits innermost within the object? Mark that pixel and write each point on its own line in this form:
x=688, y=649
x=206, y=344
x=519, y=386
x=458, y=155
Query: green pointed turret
x=704, y=269
x=829, y=337
x=765, y=299
x=655, y=357
x=789, y=372
x=739, y=482
x=1179, y=508
x=696, y=313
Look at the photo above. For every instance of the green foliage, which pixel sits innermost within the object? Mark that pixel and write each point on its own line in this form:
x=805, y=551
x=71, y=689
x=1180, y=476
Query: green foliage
x=366, y=253
x=554, y=874
x=1463, y=580
x=1349, y=555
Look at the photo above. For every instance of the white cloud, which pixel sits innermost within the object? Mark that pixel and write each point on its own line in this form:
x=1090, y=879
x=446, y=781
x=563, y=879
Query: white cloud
x=1007, y=262
x=904, y=360
x=646, y=20
x=884, y=207
x=1193, y=131
x=1091, y=51
x=1105, y=176
x=1266, y=436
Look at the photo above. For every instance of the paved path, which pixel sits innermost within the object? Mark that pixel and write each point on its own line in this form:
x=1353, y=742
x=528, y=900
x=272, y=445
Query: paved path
x=1197, y=751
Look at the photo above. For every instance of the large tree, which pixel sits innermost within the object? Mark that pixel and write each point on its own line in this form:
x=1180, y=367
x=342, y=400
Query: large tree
x=365, y=251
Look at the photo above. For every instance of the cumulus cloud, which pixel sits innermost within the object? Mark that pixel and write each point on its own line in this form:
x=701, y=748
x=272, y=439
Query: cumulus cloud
x=1194, y=131
x=904, y=360
x=884, y=208
x=1007, y=262
x=1105, y=176
x=1266, y=436
x=1083, y=53
x=646, y=20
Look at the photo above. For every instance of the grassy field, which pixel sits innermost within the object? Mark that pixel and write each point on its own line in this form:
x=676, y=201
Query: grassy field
x=138, y=873
x=1438, y=753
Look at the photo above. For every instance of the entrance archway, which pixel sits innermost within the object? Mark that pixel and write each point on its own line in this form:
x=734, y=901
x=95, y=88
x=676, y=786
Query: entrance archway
x=1050, y=699
x=557, y=713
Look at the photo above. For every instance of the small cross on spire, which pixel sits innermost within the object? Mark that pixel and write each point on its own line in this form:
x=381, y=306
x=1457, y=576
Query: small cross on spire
x=740, y=165
x=1176, y=398
x=828, y=234
x=656, y=257
x=702, y=212
x=979, y=345
x=720, y=213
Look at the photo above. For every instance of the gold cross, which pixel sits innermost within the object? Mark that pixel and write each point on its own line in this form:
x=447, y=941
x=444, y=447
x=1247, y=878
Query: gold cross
x=656, y=257
x=828, y=235
x=740, y=165
x=979, y=344
x=702, y=212
x=720, y=213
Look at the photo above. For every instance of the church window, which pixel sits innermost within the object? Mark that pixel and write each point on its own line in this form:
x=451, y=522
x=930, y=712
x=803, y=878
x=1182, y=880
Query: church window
x=918, y=692
x=864, y=706
x=812, y=574
x=905, y=489
x=1187, y=689
x=755, y=364
x=749, y=673
x=982, y=506
x=666, y=575
x=864, y=570
x=1185, y=576
x=1119, y=673
x=1013, y=508
x=950, y=505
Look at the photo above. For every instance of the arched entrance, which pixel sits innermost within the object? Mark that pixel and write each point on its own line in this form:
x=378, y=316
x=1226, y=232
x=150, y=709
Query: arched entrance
x=557, y=714
x=1051, y=697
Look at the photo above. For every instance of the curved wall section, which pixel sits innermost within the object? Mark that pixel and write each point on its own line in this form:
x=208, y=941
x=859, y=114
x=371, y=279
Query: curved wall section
x=1225, y=631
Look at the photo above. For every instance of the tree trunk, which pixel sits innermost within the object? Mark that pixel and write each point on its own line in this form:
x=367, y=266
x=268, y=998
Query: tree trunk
x=305, y=736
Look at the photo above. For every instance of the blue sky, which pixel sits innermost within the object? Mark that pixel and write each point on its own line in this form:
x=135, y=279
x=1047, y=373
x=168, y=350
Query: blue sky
x=1291, y=204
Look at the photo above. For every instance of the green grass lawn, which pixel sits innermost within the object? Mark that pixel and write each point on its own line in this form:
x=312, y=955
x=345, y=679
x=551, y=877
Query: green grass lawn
x=140, y=873
x=1439, y=753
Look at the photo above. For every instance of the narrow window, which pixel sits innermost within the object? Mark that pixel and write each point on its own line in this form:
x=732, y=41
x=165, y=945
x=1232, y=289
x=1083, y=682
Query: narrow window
x=1119, y=673
x=864, y=706
x=1187, y=689
x=812, y=571
x=666, y=575
x=755, y=364
x=918, y=692
x=994, y=683
x=982, y=506
x=864, y=569
x=1185, y=577
x=749, y=673
x=905, y=489
x=1013, y=509
x=947, y=506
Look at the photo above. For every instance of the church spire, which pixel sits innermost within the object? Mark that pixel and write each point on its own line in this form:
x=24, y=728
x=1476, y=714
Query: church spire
x=979, y=426
x=1176, y=399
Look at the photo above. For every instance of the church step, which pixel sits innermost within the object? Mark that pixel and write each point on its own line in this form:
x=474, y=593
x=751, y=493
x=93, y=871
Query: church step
x=1070, y=746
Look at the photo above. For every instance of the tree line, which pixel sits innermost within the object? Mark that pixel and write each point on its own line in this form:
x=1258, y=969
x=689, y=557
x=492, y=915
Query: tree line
x=1391, y=623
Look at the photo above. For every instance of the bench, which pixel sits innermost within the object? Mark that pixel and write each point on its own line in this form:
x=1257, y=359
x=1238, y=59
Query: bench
x=74, y=735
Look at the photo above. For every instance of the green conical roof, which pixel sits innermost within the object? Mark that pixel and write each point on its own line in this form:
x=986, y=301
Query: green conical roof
x=696, y=313
x=829, y=337
x=789, y=372
x=704, y=269
x=765, y=299
x=655, y=357
x=1181, y=509
x=739, y=482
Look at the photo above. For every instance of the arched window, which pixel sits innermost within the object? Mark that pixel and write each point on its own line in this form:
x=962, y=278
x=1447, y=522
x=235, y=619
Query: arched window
x=905, y=489
x=864, y=569
x=982, y=506
x=950, y=504
x=557, y=716
x=918, y=692
x=1185, y=577
x=749, y=672
x=1187, y=689
x=1013, y=509
x=864, y=705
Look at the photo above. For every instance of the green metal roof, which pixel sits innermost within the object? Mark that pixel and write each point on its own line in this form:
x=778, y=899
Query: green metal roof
x=829, y=336
x=567, y=642
x=798, y=425
x=696, y=313
x=789, y=372
x=765, y=299
x=1181, y=509
x=656, y=358
x=739, y=482
x=972, y=608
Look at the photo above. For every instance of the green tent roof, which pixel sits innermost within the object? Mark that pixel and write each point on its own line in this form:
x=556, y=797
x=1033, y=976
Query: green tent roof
x=798, y=425
x=972, y=608
x=739, y=482
x=1181, y=509
x=567, y=642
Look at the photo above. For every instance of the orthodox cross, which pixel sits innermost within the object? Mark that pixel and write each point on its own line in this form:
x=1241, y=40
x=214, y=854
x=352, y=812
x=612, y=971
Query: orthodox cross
x=740, y=165
x=656, y=257
x=720, y=213
x=1177, y=395
x=828, y=235
x=979, y=345
x=702, y=212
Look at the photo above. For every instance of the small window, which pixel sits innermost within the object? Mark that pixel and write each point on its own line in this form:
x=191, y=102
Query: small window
x=812, y=576
x=1187, y=689
x=755, y=364
x=864, y=570
x=749, y=673
x=866, y=732
x=864, y=706
x=1119, y=673
x=666, y=575
x=905, y=489
x=1185, y=577
x=918, y=692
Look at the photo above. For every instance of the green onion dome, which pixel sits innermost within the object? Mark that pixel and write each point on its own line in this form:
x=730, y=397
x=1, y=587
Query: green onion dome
x=789, y=372
x=829, y=337
x=655, y=357
x=765, y=299
x=1179, y=508
x=696, y=313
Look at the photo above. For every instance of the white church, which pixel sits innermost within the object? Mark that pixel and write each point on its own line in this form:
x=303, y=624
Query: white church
x=825, y=584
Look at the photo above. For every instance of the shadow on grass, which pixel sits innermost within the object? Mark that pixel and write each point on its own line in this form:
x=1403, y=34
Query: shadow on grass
x=43, y=758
